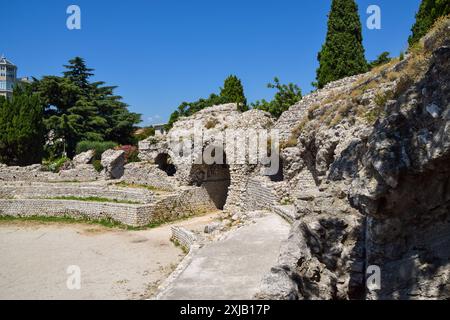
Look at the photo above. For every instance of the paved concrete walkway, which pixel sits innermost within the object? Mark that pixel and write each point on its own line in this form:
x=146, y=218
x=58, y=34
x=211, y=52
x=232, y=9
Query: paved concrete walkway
x=232, y=268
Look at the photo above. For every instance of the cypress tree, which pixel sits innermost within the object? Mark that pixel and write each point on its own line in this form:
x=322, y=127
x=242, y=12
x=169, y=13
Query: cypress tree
x=429, y=12
x=233, y=92
x=342, y=55
x=22, y=130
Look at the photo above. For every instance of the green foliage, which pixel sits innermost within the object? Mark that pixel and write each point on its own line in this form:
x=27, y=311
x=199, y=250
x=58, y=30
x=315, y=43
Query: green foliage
x=286, y=96
x=429, y=12
x=382, y=59
x=187, y=109
x=56, y=164
x=22, y=132
x=145, y=133
x=131, y=153
x=233, y=92
x=98, y=146
x=77, y=109
x=342, y=55
x=97, y=165
x=93, y=199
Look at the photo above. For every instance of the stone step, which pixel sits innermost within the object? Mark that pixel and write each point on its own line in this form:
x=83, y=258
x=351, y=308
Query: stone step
x=287, y=212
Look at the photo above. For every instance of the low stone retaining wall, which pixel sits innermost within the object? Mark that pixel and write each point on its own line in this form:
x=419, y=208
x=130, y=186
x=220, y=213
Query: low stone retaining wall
x=51, y=190
x=287, y=212
x=184, y=237
x=132, y=215
x=188, y=201
x=172, y=206
x=34, y=173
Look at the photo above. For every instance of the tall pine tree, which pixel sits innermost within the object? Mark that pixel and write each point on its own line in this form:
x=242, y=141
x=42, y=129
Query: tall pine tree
x=77, y=109
x=233, y=92
x=429, y=12
x=342, y=55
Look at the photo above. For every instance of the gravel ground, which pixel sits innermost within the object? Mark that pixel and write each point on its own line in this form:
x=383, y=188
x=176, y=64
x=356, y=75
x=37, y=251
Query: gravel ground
x=114, y=264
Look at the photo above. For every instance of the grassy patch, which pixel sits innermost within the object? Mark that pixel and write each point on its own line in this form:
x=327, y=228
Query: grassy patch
x=124, y=184
x=178, y=245
x=93, y=199
x=108, y=223
x=211, y=123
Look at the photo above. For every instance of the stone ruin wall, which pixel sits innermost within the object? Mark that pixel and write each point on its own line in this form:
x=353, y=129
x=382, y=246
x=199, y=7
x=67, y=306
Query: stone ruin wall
x=29, y=190
x=370, y=194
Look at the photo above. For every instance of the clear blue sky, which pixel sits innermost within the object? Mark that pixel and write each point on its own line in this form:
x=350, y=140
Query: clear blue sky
x=163, y=52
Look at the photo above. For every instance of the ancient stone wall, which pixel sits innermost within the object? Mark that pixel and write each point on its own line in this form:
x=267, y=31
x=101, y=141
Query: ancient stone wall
x=144, y=173
x=22, y=190
x=83, y=173
x=259, y=196
x=371, y=186
x=132, y=215
x=185, y=202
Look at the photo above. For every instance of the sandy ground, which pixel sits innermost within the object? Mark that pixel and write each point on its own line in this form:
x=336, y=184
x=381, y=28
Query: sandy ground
x=114, y=263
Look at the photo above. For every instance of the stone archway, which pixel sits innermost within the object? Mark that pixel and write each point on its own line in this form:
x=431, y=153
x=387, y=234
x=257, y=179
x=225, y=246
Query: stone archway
x=216, y=180
x=164, y=163
x=278, y=176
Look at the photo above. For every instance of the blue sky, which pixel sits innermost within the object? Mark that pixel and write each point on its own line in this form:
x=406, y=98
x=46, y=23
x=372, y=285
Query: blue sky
x=163, y=52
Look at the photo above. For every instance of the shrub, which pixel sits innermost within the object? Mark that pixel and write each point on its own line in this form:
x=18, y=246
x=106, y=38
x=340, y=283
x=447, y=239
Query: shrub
x=382, y=98
x=144, y=133
x=131, y=153
x=98, y=146
x=97, y=165
x=211, y=123
x=55, y=165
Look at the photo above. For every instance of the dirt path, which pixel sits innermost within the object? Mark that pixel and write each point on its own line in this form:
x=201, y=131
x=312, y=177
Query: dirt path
x=114, y=264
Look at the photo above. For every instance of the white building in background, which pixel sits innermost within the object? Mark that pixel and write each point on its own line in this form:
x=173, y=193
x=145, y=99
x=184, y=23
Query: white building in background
x=8, y=77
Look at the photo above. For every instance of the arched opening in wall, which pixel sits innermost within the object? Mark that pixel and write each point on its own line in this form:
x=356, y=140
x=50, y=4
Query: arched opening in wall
x=164, y=163
x=278, y=176
x=216, y=180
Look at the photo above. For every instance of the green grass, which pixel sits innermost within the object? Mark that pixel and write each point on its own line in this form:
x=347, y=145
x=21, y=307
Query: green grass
x=108, y=223
x=93, y=199
x=139, y=186
x=178, y=245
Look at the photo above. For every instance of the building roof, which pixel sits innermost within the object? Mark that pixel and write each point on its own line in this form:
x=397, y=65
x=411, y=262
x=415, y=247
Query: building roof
x=4, y=61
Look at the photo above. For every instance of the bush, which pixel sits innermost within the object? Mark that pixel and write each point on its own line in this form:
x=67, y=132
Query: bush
x=98, y=146
x=211, y=123
x=55, y=165
x=145, y=133
x=131, y=153
x=97, y=165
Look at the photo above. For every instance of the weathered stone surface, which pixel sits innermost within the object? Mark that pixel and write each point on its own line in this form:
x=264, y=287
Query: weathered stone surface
x=377, y=194
x=113, y=162
x=83, y=158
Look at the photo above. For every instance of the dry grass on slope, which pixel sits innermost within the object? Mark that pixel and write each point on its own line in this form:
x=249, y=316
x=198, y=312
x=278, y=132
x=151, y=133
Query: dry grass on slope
x=368, y=97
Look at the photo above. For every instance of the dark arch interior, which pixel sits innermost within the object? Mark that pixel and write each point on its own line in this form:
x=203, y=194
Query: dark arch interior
x=215, y=179
x=164, y=163
x=279, y=175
